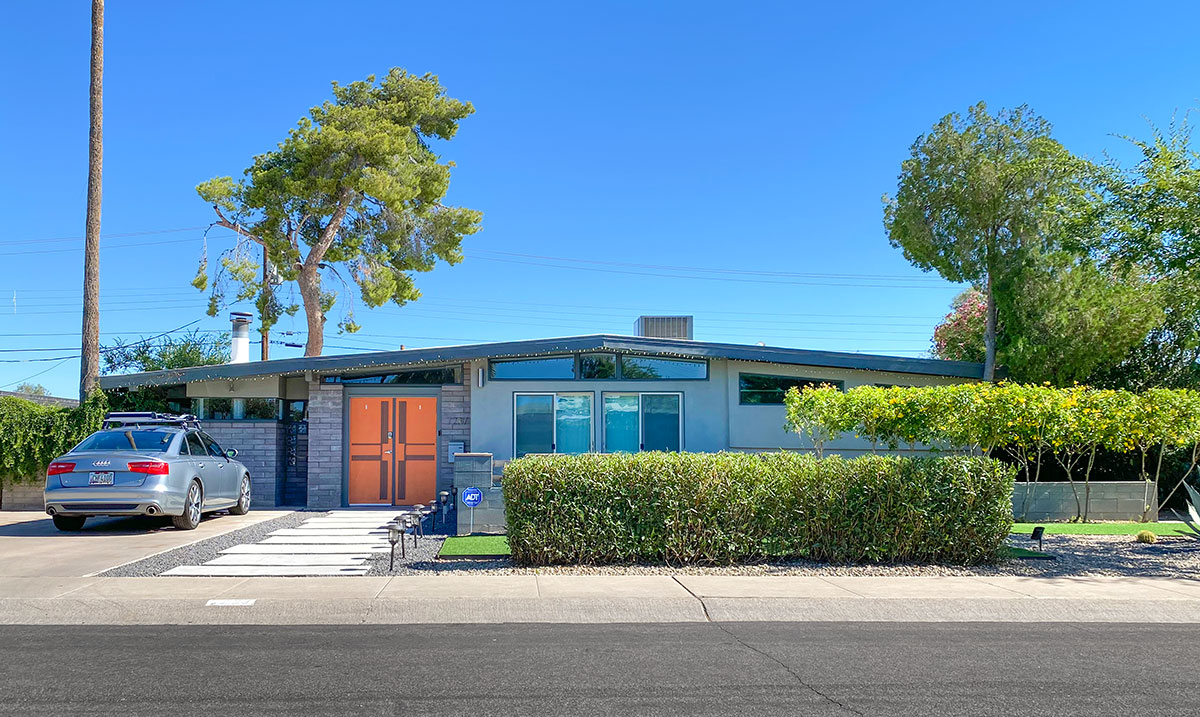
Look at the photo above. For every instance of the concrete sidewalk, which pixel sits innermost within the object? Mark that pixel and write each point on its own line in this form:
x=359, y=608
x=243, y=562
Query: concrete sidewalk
x=593, y=599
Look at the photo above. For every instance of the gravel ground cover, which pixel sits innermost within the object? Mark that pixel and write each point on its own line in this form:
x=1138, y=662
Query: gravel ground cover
x=1076, y=555
x=205, y=550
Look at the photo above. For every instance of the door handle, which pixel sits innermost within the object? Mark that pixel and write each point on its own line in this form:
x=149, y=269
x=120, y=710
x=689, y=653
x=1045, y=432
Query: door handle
x=201, y=465
x=387, y=451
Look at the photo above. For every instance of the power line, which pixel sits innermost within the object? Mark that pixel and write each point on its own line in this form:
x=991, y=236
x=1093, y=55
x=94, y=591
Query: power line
x=113, y=348
x=120, y=235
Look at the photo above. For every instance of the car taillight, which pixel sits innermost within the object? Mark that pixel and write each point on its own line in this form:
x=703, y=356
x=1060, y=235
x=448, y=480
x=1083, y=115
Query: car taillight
x=154, y=468
x=58, y=467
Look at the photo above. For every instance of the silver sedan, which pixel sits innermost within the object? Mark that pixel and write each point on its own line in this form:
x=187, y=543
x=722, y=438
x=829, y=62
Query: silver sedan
x=169, y=469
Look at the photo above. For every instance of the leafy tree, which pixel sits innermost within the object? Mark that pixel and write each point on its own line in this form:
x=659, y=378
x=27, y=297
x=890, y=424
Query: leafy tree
x=32, y=389
x=1067, y=320
x=981, y=194
x=1153, y=219
x=355, y=185
x=960, y=335
x=195, y=348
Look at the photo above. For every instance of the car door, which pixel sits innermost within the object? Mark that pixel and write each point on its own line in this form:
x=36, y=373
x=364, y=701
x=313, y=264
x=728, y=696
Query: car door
x=225, y=471
x=203, y=465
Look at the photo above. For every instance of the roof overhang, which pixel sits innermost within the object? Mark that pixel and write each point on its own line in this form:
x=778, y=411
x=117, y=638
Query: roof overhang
x=681, y=348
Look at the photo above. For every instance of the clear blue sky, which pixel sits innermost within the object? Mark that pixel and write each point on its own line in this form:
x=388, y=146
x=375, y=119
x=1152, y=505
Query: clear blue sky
x=754, y=137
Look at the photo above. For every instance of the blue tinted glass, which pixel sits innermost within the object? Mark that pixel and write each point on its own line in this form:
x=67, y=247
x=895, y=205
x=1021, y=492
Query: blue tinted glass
x=542, y=368
x=660, y=422
x=573, y=423
x=621, y=423
x=644, y=367
x=534, y=424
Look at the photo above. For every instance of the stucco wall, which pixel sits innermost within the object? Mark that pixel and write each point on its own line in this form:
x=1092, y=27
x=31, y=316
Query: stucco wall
x=713, y=419
x=705, y=419
x=759, y=427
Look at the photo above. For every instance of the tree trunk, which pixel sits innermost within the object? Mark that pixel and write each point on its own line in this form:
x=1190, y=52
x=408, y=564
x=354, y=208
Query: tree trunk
x=989, y=335
x=266, y=295
x=309, y=280
x=89, y=365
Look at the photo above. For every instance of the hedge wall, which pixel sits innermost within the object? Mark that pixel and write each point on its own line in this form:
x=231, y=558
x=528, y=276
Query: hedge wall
x=32, y=435
x=723, y=508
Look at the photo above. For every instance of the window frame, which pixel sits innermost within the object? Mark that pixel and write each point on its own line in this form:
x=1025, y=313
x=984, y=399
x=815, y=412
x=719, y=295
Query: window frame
x=619, y=360
x=641, y=427
x=554, y=418
x=836, y=383
x=574, y=367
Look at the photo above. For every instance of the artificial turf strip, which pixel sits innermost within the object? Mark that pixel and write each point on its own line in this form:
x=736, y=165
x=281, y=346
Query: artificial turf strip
x=1014, y=553
x=475, y=546
x=1102, y=528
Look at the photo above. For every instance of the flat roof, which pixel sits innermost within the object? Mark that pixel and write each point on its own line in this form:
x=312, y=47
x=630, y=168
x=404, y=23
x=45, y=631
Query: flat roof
x=678, y=348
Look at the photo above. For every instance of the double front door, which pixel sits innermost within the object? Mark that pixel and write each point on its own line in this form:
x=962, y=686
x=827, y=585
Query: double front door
x=393, y=450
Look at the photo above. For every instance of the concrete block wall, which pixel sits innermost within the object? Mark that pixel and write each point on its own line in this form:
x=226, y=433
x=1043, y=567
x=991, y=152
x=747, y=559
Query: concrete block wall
x=326, y=405
x=257, y=444
x=474, y=470
x=455, y=425
x=1110, y=500
x=26, y=496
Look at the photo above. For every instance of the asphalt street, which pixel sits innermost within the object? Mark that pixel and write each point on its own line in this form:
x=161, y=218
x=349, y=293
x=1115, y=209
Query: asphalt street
x=654, y=669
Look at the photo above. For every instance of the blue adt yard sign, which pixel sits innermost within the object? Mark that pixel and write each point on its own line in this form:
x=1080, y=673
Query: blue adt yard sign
x=472, y=497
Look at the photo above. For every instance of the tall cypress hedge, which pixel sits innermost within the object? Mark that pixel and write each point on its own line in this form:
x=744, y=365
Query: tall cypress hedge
x=724, y=508
x=32, y=434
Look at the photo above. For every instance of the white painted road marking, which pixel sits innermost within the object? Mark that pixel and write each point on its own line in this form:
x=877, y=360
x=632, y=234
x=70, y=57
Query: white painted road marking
x=229, y=603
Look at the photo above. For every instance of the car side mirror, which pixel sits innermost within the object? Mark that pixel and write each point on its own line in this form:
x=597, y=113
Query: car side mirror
x=232, y=453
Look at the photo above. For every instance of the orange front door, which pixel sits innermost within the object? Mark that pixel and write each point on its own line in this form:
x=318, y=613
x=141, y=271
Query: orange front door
x=393, y=451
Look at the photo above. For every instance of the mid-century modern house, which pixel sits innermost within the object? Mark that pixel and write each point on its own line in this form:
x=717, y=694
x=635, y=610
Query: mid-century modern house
x=383, y=428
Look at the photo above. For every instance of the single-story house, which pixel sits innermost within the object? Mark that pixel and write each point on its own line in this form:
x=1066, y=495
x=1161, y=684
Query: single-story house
x=383, y=427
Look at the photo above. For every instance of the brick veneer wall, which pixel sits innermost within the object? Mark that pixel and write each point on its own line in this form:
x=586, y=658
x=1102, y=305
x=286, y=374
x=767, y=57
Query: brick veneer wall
x=326, y=404
x=455, y=425
x=258, y=445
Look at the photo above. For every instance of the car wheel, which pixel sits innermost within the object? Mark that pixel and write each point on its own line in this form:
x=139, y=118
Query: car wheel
x=192, y=506
x=243, y=503
x=69, y=523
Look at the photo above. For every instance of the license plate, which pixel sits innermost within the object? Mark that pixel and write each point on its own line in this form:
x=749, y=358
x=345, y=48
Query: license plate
x=101, y=477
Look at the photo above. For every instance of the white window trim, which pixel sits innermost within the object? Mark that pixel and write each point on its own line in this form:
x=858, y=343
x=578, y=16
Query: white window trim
x=554, y=417
x=641, y=428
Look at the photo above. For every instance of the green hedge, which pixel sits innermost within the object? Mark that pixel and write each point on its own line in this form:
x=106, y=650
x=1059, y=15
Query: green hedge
x=723, y=508
x=32, y=435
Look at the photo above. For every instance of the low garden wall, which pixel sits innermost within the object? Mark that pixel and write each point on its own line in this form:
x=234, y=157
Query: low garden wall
x=727, y=508
x=1110, y=500
x=23, y=496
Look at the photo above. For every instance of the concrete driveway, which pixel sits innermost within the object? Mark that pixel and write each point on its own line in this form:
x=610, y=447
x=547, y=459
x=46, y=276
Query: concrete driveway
x=30, y=546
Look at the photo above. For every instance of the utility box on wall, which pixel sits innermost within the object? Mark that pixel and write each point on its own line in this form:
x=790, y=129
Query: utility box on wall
x=474, y=470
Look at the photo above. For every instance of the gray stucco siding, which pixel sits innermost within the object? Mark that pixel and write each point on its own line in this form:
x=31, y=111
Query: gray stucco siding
x=761, y=427
x=704, y=408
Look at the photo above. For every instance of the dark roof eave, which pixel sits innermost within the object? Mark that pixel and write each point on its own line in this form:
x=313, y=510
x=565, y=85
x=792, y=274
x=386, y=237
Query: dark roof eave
x=596, y=342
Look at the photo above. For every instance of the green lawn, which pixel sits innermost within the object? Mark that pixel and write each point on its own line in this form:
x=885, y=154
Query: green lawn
x=492, y=546
x=1101, y=528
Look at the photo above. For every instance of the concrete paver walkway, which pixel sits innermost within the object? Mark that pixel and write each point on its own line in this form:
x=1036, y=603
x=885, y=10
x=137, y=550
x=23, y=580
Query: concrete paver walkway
x=337, y=543
x=592, y=599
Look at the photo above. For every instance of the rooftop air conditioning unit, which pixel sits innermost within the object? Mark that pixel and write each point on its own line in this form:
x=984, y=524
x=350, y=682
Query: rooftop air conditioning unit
x=664, y=327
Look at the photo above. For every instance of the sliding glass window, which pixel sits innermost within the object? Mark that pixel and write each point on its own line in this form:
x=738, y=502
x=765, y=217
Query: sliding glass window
x=643, y=422
x=552, y=423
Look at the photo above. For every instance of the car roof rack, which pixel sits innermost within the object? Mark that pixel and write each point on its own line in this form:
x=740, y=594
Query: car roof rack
x=118, y=419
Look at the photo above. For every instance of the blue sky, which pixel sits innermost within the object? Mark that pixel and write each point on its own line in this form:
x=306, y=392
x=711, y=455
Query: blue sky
x=751, y=138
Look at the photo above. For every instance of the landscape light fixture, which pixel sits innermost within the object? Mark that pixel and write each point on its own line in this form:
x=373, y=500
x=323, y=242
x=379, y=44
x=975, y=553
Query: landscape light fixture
x=444, y=499
x=1037, y=535
x=395, y=535
x=419, y=509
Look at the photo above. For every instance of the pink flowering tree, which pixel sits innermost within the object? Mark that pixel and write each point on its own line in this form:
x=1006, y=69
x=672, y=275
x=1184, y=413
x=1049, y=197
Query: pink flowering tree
x=959, y=337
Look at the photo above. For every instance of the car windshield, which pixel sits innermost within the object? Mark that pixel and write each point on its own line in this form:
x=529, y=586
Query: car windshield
x=144, y=441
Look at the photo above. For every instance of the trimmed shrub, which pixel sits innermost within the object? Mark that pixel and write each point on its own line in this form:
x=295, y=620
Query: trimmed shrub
x=724, y=508
x=32, y=435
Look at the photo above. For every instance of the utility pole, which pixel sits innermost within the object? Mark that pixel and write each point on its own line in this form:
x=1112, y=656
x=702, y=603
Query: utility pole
x=89, y=365
x=266, y=292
